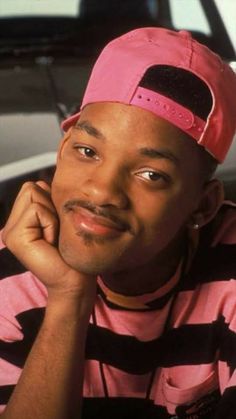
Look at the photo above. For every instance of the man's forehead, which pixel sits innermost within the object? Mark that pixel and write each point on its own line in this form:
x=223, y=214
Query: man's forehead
x=140, y=126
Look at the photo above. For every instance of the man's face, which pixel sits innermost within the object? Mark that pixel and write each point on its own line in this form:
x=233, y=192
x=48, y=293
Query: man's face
x=125, y=187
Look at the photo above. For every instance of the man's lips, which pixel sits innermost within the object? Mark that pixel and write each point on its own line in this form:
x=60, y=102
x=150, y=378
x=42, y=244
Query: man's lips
x=85, y=220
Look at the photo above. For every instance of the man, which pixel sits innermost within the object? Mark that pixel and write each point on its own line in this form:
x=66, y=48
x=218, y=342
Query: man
x=118, y=282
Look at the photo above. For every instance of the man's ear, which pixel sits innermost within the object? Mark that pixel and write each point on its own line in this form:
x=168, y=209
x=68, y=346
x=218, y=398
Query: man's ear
x=209, y=204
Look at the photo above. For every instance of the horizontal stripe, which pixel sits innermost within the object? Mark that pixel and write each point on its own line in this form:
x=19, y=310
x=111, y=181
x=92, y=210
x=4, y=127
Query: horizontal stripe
x=211, y=264
x=205, y=407
x=227, y=405
x=9, y=264
x=17, y=352
x=5, y=393
x=156, y=304
x=228, y=349
x=134, y=408
x=186, y=345
x=122, y=408
x=111, y=408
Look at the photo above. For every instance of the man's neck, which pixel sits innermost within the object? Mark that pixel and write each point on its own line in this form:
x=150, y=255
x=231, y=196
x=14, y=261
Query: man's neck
x=149, y=277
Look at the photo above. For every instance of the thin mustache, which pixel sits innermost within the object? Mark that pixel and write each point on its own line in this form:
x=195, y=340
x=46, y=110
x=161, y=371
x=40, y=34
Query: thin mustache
x=99, y=211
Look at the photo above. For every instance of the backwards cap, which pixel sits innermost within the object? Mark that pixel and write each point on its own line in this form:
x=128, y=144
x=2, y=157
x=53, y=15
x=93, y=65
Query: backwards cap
x=123, y=62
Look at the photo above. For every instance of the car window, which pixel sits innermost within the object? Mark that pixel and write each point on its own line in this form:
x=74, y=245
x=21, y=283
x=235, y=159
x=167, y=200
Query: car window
x=32, y=8
x=227, y=9
x=189, y=14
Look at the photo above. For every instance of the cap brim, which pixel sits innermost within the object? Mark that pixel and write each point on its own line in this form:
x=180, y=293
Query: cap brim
x=67, y=123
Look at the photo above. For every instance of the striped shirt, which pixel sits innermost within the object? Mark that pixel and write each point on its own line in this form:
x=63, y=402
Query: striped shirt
x=171, y=354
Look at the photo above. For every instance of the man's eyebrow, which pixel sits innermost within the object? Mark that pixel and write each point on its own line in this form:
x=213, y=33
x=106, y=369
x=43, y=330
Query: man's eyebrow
x=159, y=154
x=89, y=129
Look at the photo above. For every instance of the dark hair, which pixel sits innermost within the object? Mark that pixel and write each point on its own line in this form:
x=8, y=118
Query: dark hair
x=189, y=91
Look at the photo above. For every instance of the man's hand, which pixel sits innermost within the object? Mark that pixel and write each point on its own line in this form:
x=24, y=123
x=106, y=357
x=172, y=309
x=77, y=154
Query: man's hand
x=31, y=235
x=55, y=364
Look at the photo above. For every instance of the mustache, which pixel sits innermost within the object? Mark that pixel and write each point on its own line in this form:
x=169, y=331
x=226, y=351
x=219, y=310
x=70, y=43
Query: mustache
x=96, y=210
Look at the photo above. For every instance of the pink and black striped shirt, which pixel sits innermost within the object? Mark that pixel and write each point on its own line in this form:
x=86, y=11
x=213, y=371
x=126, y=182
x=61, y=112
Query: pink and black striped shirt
x=171, y=354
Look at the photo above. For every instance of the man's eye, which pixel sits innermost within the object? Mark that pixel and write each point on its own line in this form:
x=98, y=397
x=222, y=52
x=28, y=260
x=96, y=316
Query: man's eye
x=86, y=152
x=151, y=176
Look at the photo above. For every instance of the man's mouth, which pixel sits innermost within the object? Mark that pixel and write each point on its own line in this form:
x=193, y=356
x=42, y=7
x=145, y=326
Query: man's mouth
x=95, y=221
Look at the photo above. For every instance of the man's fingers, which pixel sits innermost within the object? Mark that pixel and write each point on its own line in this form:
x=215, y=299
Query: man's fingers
x=48, y=223
x=38, y=192
x=30, y=193
x=44, y=185
x=37, y=222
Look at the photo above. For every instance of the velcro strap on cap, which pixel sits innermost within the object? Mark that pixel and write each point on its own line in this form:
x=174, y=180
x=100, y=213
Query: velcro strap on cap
x=170, y=110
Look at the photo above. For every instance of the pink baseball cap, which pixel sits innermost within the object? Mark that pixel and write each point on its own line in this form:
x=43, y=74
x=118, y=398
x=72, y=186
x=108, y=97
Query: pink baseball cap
x=123, y=62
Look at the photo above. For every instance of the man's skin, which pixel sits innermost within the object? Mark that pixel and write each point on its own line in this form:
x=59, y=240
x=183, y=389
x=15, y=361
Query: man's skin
x=127, y=187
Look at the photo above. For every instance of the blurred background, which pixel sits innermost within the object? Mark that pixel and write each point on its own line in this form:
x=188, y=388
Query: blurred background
x=47, y=49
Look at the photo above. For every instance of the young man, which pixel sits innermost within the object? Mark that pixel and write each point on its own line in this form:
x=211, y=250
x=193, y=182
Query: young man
x=118, y=294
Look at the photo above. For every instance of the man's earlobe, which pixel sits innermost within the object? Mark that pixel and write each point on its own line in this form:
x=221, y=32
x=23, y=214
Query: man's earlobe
x=211, y=200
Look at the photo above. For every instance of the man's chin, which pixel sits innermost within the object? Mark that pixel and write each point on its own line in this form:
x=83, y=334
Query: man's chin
x=91, y=239
x=86, y=260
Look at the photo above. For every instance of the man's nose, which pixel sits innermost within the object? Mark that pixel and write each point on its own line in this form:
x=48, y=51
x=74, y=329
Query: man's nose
x=107, y=188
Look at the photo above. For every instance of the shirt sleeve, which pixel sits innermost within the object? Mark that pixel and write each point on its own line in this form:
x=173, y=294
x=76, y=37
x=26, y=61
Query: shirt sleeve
x=227, y=357
x=23, y=299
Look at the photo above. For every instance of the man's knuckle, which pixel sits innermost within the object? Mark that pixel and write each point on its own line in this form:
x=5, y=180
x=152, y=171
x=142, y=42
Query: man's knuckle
x=27, y=185
x=7, y=237
x=3, y=236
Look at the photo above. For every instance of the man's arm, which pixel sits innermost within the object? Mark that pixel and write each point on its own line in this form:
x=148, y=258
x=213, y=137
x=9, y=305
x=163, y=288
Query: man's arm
x=51, y=383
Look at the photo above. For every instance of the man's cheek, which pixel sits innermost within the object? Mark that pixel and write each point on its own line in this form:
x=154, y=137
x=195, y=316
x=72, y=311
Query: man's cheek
x=57, y=193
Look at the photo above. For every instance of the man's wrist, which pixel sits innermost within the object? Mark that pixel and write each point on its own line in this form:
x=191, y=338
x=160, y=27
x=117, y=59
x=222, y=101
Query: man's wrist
x=70, y=305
